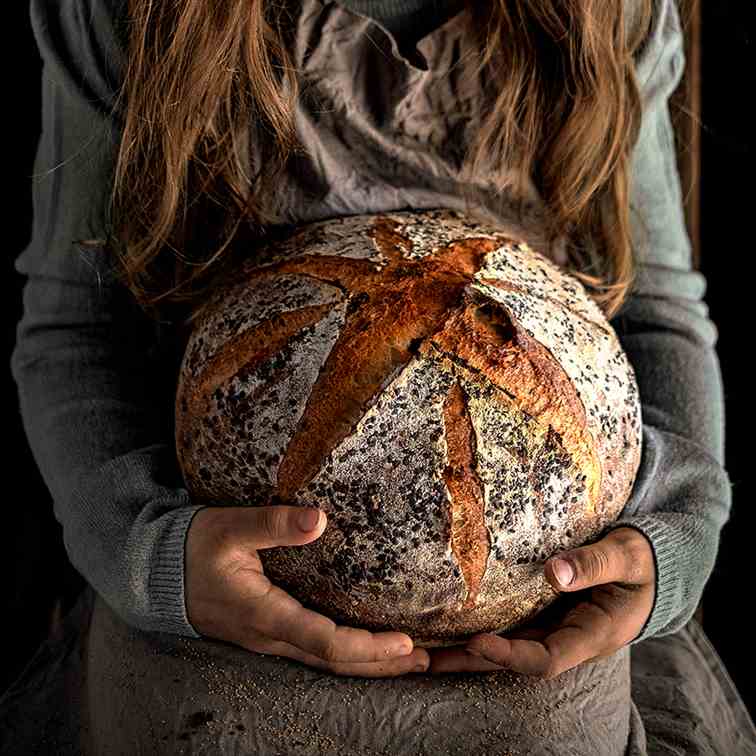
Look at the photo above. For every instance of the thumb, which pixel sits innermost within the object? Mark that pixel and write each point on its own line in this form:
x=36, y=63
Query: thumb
x=573, y=570
x=284, y=525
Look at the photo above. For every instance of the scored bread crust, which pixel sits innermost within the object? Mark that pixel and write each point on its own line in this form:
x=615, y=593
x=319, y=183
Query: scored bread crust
x=457, y=405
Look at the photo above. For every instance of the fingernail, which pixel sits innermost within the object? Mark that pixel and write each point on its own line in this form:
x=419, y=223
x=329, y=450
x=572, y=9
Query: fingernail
x=421, y=668
x=308, y=519
x=563, y=571
x=401, y=649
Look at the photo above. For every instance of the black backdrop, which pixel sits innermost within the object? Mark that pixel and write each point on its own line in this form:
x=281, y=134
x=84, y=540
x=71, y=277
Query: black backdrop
x=32, y=559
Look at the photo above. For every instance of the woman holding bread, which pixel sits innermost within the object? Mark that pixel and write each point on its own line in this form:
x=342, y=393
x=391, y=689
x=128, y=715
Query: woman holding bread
x=174, y=132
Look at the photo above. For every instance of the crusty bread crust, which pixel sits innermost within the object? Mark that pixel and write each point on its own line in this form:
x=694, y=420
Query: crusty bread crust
x=457, y=405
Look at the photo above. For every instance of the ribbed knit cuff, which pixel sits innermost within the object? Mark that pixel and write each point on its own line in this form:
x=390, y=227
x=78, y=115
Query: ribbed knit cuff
x=666, y=546
x=166, y=584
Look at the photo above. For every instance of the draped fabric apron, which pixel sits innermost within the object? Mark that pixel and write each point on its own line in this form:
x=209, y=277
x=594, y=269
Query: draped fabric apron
x=384, y=129
x=103, y=687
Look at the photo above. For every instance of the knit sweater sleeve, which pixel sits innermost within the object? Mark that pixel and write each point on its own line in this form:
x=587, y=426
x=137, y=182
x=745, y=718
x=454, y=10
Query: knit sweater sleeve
x=94, y=393
x=682, y=494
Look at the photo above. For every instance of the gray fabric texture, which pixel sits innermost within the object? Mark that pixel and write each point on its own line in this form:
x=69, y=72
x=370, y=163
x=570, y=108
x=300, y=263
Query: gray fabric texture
x=104, y=687
x=96, y=384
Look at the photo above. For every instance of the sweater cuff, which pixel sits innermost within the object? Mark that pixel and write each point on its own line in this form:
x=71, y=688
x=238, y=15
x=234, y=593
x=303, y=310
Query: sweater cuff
x=666, y=546
x=166, y=585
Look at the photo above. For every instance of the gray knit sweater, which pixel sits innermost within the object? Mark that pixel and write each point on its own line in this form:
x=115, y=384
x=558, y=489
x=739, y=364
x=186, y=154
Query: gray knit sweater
x=94, y=381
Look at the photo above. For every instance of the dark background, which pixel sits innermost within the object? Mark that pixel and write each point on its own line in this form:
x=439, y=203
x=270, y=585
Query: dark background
x=32, y=556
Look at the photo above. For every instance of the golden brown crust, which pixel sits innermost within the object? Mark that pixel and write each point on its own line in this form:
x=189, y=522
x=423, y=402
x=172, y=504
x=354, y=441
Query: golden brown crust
x=469, y=536
x=456, y=404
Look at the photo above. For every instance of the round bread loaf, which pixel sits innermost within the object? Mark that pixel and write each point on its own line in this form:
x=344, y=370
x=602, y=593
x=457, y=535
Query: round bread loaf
x=458, y=406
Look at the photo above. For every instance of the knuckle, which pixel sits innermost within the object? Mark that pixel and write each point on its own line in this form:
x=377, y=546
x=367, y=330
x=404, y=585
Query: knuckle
x=260, y=588
x=329, y=651
x=596, y=563
x=635, y=551
x=272, y=523
x=640, y=561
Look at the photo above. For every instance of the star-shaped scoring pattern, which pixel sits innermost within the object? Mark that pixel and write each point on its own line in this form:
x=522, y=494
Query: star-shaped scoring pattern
x=402, y=309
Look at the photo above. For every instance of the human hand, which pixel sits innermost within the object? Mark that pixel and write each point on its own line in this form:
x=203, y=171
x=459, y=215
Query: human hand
x=620, y=575
x=229, y=598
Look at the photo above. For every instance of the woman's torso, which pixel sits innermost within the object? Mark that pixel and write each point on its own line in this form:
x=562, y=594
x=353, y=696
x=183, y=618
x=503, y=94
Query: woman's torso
x=386, y=128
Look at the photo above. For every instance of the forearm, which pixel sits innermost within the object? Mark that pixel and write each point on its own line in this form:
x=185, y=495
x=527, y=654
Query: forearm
x=682, y=495
x=95, y=389
x=98, y=421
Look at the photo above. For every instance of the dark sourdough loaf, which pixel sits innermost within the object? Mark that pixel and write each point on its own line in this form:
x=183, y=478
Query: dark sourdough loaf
x=457, y=405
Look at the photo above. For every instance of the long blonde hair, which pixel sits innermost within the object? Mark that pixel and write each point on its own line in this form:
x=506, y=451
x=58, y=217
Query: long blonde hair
x=567, y=109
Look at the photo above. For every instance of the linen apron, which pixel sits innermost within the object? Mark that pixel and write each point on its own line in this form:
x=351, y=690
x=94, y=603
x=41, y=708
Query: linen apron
x=103, y=687
x=384, y=130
